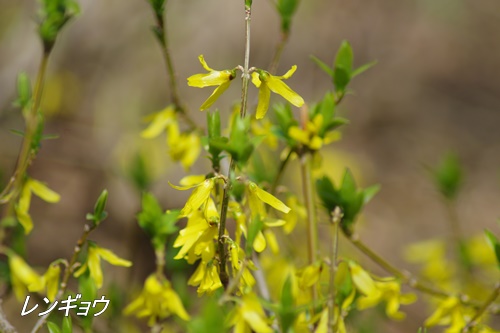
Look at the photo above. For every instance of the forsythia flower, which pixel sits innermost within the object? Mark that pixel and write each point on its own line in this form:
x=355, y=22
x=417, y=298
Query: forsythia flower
x=184, y=147
x=388, y=290
x=257, y=197
x=22, y=276
x=200, y=195
x=267, y=83
x=311, y=136
x=222, y=79
x=297, y=212
x=49, y=281
x=157, y=301
x=450, y=312
x=93, y=263
x=249, y=316
x=22, y=208
x=206, y=277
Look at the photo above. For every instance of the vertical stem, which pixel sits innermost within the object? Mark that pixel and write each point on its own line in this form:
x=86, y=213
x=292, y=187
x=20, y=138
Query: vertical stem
x=312, y=232
x=336, y=218
x=224, y=277
x=160, y=261
x=246, y=74
x=26, y=154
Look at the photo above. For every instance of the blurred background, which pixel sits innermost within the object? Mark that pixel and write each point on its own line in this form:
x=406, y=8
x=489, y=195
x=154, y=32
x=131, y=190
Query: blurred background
x=435, y=89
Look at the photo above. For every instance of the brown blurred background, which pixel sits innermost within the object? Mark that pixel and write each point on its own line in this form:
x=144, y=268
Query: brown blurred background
x=435, y=89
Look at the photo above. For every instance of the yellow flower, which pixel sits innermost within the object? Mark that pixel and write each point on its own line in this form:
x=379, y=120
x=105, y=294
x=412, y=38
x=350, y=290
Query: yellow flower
x=452, y=313
x=93, y=263
x=159, y=122
x=200, y=195
x=384, y=290
x=184, y=147
x=257, y=197
x=310, y=275
x=297, y=212
x=206, y=277
x=264, y=128
x=22, y=208
x=156, y=301
x=236, y=254
x=195, y=238
x=22, y=276
x=50, y=281
x=311, y=135
x=267, y=83
x=222, y=79
x=249, y=316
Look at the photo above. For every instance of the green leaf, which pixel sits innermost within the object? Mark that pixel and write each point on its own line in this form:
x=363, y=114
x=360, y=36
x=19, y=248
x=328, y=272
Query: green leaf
x=370, y=192
x=286, y=312
x=448, y=176
x=53, y=328
x=213, y=120
x=363, y=68
x=23, y=90
x=139, y=173
x=323, y=66
x=99, y=213
x=344, y=57
x=494, y=243
x=67, y=326
x=286, y=9
x=341, y=78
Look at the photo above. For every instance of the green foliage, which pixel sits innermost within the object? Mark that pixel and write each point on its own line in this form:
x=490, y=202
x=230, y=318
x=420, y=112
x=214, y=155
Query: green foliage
x=286, y=310
x=347, y=197
x=214, y=135
x=23, y=91
x=54, y=14
x=210, y=319
x=342, y=71
x=99, y=214
x=53, y=328
x=158, y=225
x=139, y=173
x=448, y=176
x=286, y=9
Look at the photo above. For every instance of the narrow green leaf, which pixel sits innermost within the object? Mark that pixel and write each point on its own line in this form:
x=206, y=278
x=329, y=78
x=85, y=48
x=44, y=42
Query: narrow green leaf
x=363, y=68
x=370, y=192
x=53, y=328
x=341, y=78
x=323, y=66
x=67, y=326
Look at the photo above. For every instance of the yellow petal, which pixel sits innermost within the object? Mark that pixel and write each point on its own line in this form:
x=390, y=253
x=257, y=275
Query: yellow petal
x=289, y=73
x=279, y=87
x=363, y=281
x=264, y=97
x=192, y=150
x=25, y=219
x=43, y=192
x=204, y=63
x=112, y=258
x=94, y=265
x=259, y=244
x=256, y=80
x=23, y=271
x=214, y=78
x=215, y=95
x=159, y=123
x=52, y=280
x=268, y=198
x=271, y=240
x=323, y=322
x=175, y=304
x=199, y=196
x=298, y=134
x=192, y=180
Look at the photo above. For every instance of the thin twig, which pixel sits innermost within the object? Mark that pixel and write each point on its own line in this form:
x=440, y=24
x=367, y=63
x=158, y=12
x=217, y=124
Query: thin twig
x=482, y=310
x=334, y=248
x=5, y=326
x=278, y=52
x=67, y=273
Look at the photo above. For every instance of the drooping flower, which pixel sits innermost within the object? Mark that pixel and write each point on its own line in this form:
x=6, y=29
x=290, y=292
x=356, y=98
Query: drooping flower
x=200, y=195
x=249, y=316
x=222, y=79
x=93, y=263
x=451, y=313
x=376, y=291
x=184, y=147
x=22, y=276
x=206, y=277
x=157, y=301
x=49, y=281
x=267, y=83
x=22, y=208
